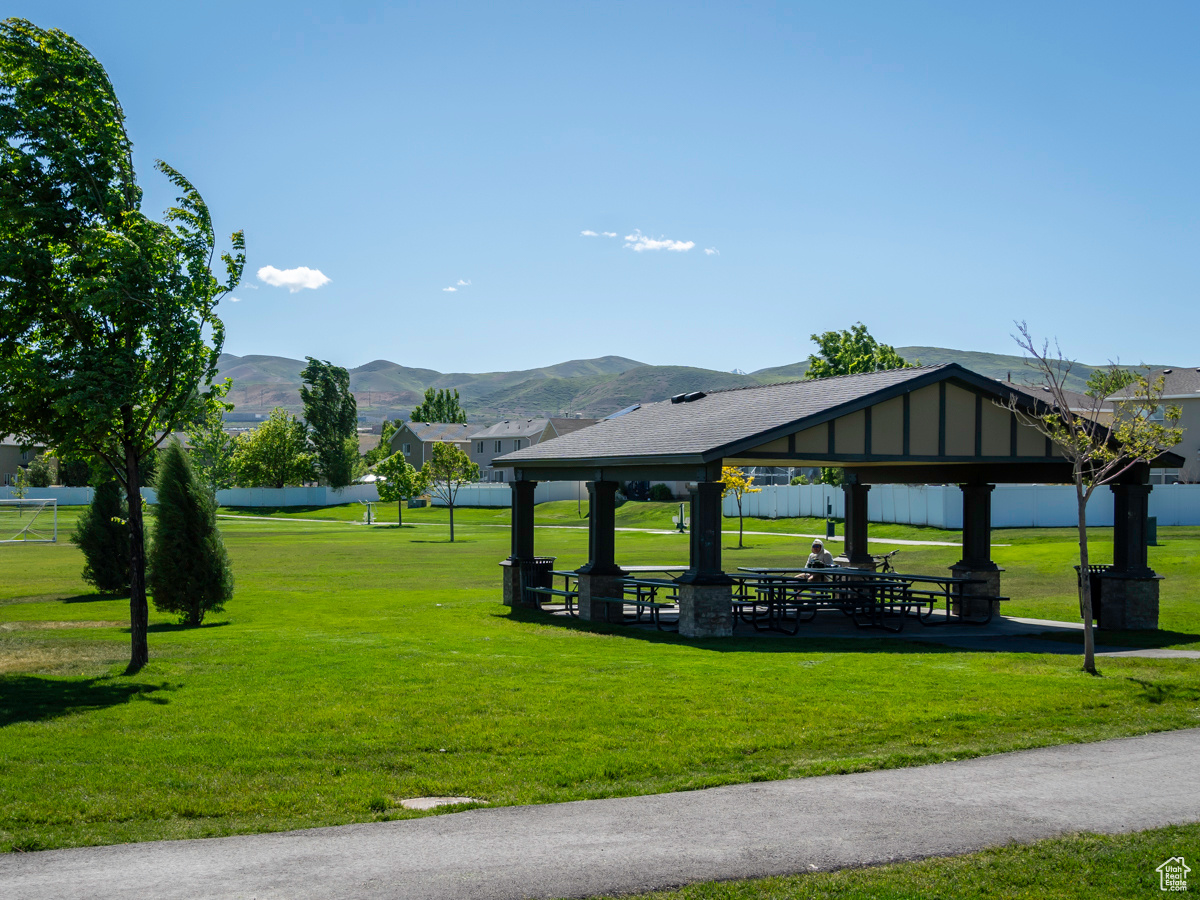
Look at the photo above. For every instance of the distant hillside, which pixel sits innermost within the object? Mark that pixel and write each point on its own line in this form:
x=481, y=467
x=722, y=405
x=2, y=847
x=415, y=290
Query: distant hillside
x=384, y=388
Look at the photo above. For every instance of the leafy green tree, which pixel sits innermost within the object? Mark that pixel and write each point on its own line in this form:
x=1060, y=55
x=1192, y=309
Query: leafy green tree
x=439, y=406
x=448, y=469
x=403, y=482
x=74, y=470
x=102, y=535
x=275, y=454
x=108, y=325
x=1107, y=381
x=41, y=471
x=332, y=416
x=211, y=446
x=187, y=571
x=852, y=352
x=378, y=454
x=1098, y=454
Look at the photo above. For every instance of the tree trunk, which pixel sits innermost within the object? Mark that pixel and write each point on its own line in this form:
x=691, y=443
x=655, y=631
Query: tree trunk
x=451, y=505
x=139, y=612
x=1085, y=587
x=741, y=521
x=400, y=512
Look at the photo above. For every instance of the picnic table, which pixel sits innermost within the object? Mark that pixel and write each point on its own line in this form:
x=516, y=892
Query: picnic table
x=859, y=593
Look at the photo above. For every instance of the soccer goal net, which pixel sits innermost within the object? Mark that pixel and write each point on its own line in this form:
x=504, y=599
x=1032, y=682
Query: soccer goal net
x=28, y=520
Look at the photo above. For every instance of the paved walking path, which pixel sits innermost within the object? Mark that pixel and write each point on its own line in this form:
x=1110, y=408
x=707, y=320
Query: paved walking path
x=643, y=843
x=899, y=541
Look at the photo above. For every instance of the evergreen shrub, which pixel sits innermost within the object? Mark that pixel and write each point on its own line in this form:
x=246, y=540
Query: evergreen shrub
x=103, y=536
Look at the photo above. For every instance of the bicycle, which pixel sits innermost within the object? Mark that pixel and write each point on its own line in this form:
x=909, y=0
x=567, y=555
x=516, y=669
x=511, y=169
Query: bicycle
x=885, y=561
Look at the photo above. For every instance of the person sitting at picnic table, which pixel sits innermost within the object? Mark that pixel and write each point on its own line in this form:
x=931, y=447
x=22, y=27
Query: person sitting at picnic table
x=820, y=558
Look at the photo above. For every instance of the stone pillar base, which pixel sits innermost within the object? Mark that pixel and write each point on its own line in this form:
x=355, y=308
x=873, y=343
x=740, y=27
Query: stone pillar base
x=976, y=602
x=868, y=564
x=510, y=574
x=1128, y=603
x=705, y=610
x=600, y=586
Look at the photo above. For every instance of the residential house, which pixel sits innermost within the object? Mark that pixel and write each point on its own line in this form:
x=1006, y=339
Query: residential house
x=503, y=437
x=416, y=439
x=558, y=427
x=1181, y=387
x=14, y=455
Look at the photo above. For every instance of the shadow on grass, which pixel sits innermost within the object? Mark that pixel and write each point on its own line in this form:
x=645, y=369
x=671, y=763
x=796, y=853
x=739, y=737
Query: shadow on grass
x=180, y=626
x=93, y=598
x=1144, y=640
x=1158, y=692
x=28, y=698
x=745, y=640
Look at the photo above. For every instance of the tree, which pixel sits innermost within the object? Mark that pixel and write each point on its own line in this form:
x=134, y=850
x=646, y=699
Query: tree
x=211, y=447
x=852, y=352
x=275, y=454
x=1098, y=454
x=447, y=470
x=41, y=471
x=403, y=482
x=103, y=536
x=738, y=483
x=383, y=450
x=108, y=325
x=439, y=406
x=187, y=571
x=1106, y=381
x=332, y=416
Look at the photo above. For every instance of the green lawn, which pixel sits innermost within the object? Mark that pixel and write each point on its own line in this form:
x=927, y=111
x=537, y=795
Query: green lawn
x=1075, y=867
x=359, y=666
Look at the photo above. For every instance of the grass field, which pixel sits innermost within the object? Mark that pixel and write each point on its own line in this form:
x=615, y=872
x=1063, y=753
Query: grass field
x=1075, y=867
x=359, y=666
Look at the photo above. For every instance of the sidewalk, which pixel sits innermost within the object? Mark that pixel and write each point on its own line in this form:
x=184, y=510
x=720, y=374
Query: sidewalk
x=645, y=843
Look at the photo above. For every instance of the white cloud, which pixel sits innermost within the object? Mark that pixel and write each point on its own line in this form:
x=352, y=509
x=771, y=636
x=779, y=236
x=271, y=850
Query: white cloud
x=609, y=233
x=450, y=289
x=293, y=279
x=639, y=242
x=462, y=283
x=235, y=299
x=588, y=233
x=711, y=251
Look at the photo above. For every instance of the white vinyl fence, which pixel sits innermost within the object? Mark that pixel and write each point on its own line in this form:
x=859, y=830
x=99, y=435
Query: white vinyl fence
x=500, y=495
x=289, y=496
x=939, y=505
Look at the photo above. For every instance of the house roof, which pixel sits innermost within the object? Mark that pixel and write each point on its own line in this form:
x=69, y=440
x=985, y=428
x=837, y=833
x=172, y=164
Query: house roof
x=715, y=422
x=1178, y=383
x=438, y=431
x=1078, y=402
x=511, y=428
x=566, y=426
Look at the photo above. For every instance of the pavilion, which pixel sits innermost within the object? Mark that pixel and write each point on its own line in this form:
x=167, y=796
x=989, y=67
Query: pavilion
x=926, y=425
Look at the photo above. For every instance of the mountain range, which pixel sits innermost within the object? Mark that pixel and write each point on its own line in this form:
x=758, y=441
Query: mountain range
x=587, y=387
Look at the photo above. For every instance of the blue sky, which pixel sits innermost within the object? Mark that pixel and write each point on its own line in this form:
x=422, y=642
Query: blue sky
x=934, y=170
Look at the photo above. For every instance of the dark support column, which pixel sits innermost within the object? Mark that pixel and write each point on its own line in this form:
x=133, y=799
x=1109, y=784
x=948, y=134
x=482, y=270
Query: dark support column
x=705, y=591
x=855, y=549
x=976, y=560
x=1129, y=593
x=598, y=577
x=522, y=540
x=705, y=550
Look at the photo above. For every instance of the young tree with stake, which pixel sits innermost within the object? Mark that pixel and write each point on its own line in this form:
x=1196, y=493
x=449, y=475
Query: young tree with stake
x=447, y=470
x=403, y=482
x=1098, y=454
x=738, y=483
x=109, y=336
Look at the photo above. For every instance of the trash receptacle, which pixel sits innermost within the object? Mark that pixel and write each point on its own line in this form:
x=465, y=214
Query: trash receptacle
x=535, y=573
x=1095, y=582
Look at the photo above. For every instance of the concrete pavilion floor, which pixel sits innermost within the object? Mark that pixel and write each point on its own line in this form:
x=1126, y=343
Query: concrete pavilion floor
x=1004, y=634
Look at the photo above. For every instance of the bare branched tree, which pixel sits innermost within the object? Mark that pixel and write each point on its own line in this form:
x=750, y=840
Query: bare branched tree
x=1101, y=438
